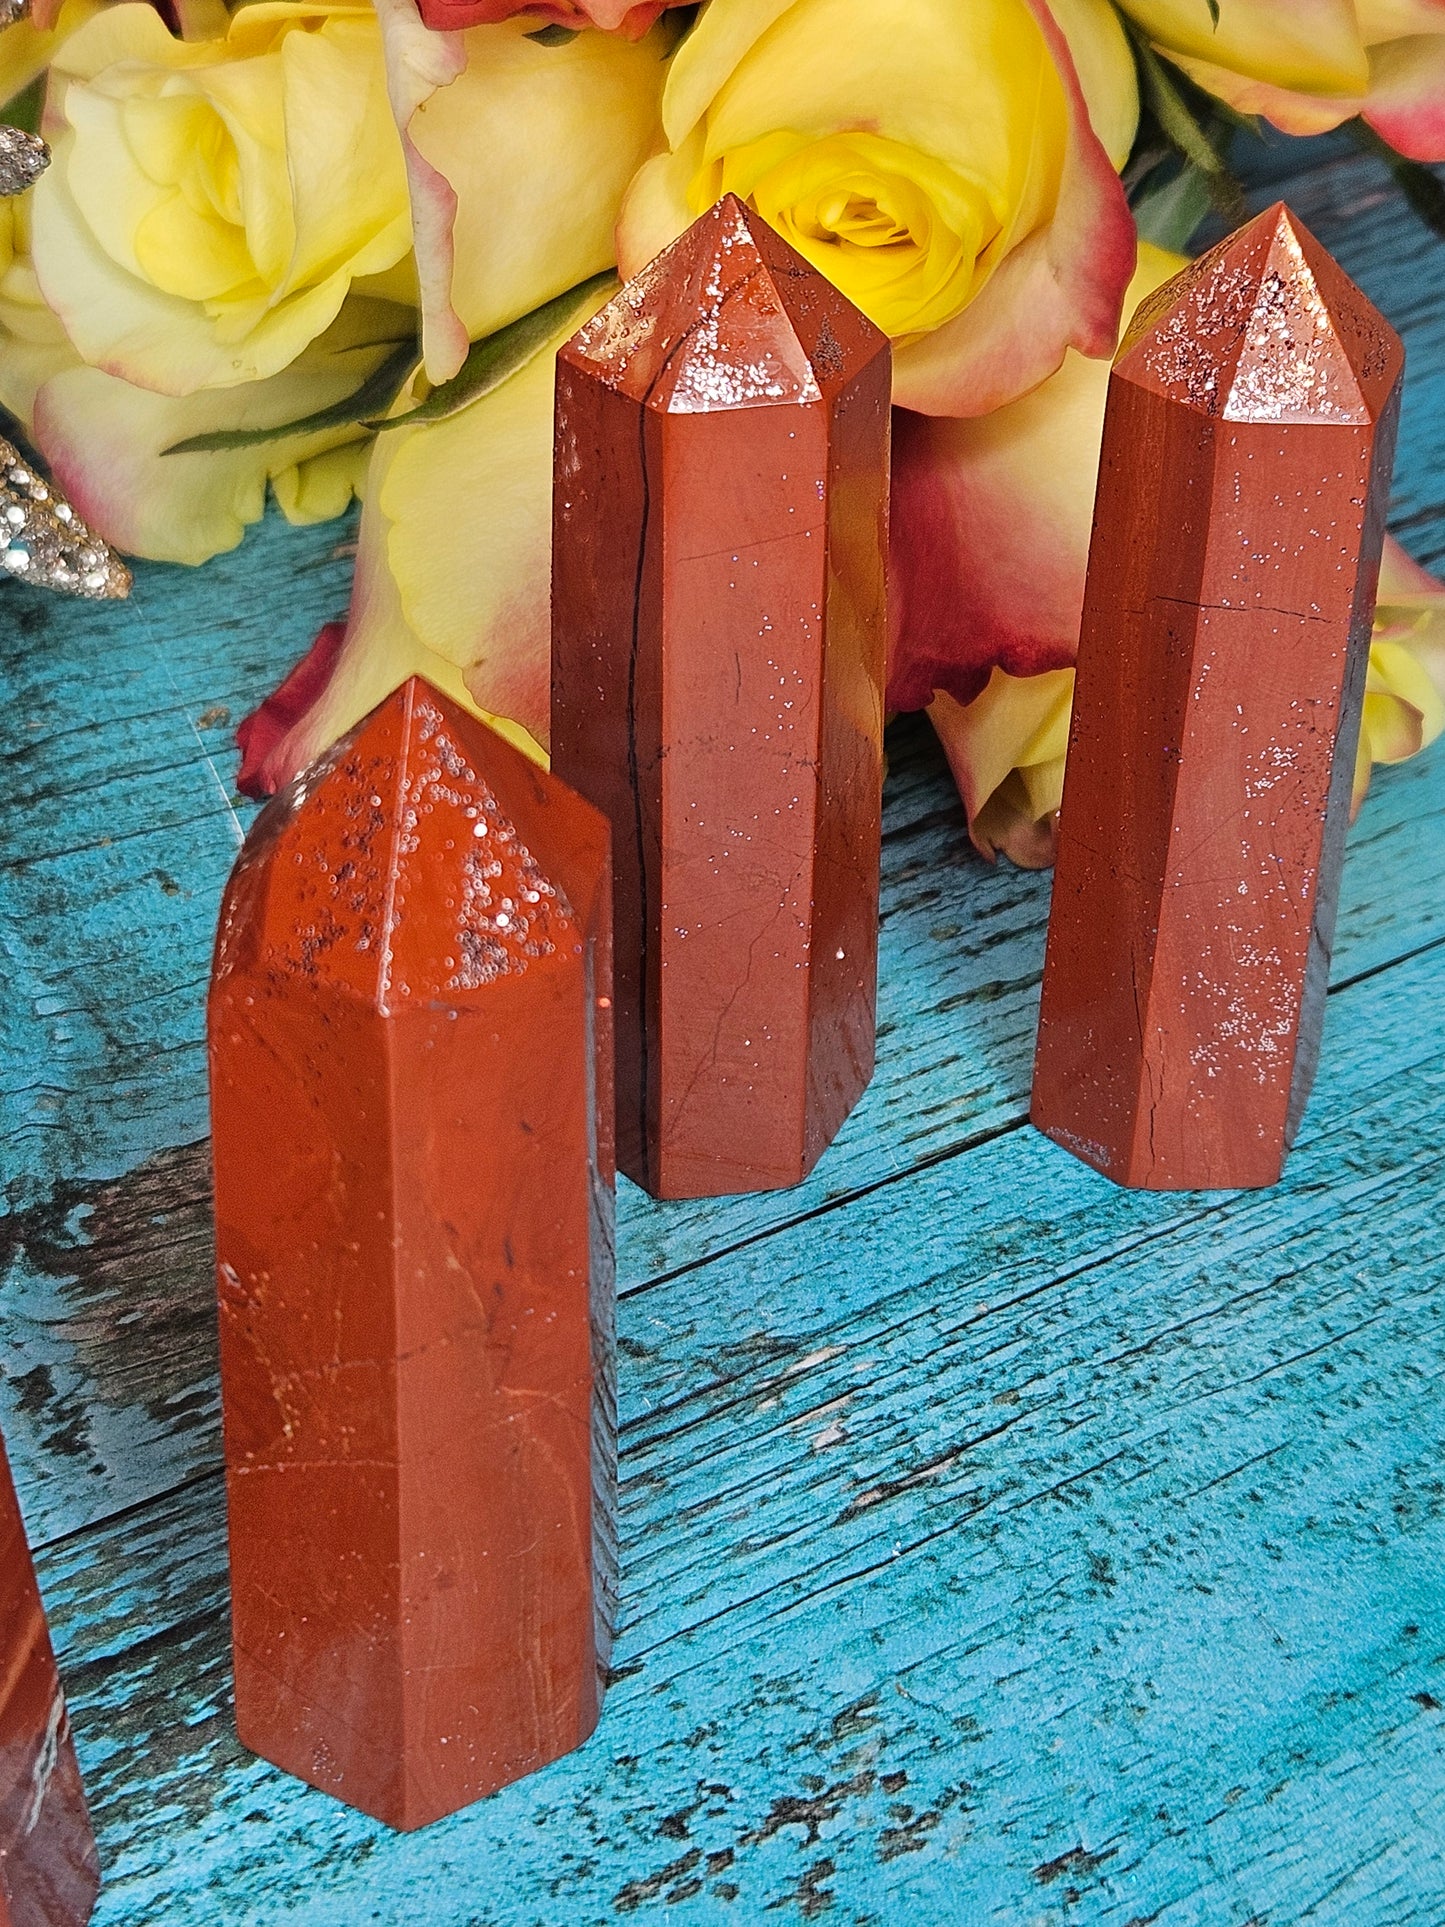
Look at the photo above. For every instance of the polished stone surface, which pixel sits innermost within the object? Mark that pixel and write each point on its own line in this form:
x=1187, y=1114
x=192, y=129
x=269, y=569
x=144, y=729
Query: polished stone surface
x=49, y=1871
x=718, y=656
x=998, y=1545
x=411, y=1090
x=1237, y=530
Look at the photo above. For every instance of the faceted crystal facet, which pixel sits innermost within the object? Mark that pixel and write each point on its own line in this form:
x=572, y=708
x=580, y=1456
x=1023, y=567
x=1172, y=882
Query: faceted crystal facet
x=410, y=1030
x=718, y=633
x=49, y=1873
x=1237, y=531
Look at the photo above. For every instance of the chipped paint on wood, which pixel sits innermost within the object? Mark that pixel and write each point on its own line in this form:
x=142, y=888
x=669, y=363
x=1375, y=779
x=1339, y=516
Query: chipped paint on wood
x=998, y=1546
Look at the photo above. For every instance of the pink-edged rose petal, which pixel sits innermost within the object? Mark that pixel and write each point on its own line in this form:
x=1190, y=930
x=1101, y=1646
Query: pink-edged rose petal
x=989, y=528
x=263, y=736
x=630, y=18
x=1406, y=102
x=1062, y=287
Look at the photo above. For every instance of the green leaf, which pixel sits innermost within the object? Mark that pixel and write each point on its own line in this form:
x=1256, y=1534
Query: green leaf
x=677, y=23
x=24, y=110
x=379, y=390
x=1424, y=190
x=1168, y=212
x=1171, y=110
x=1168, y=103
x=553, y=36
x=494, y=358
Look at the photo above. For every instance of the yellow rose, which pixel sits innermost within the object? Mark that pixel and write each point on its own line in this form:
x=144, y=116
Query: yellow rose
x=103, y=437
x=105, y=441
x=1405, y=689
x=949, y=164
x=210, y=204
x=518, y=154
x=1308, y=65
x=33, y=345
x=179, y=164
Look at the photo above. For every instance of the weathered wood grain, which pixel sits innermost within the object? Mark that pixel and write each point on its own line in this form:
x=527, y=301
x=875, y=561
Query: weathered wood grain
x=108, y=888
x=107, y=1342
x=119, y=828
x=1043, y=1552
x=998, y=1547
x=108, y=1335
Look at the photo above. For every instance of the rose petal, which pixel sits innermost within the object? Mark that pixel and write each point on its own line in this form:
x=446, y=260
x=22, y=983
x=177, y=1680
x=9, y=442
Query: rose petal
x=103, y=438
x=28, y=45
x=1308, y=46
x=655, y=209
x=483, y=604
x=453, y=572
x=632, y=21
x=1292, y=113
x=260, y=737
x=340, y=681
x=1402, y=94
x=718, y=41
x=1104, y=65
x=1006, y=751
x=1402, y=577
x=1406, y=102
x=418, y=63
x=989, y=528
x=518, y=157
x=1060, y=288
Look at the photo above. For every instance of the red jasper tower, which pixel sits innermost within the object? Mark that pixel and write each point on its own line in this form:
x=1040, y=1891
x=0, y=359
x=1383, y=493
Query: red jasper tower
x=410, y=1035
x=718, y=643
x=49, y=1871
x=1237, y=530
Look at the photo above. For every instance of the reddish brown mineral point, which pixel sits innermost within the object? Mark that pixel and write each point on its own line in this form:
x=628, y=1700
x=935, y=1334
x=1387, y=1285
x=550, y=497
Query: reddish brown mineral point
x=410, y=1030
x=717, y=674
x=1237, y=530
x=49, y=1873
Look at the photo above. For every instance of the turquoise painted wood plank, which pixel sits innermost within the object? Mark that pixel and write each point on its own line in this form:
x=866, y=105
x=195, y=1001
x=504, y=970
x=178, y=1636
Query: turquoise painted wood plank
x=944, y=1602
x=1005, y=1548
x=107, y=1342
x=120, y=827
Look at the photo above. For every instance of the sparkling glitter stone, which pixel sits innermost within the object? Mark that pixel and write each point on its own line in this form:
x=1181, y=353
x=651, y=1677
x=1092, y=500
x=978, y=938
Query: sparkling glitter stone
x=23, y=157
x=43, y=539
x=718, y=633
x=1237, y=530
x=410, y=1035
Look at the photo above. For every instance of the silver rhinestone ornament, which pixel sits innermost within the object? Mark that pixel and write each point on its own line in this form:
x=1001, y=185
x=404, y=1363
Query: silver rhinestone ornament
x=12, y=11
x=43, y=540
x=23, y=157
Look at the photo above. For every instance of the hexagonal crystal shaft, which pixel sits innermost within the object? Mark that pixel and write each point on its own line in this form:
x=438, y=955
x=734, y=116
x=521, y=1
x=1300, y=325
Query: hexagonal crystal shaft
x=410, y=1035
x=718, y=635
x=1237, y=529
x=49, y=1872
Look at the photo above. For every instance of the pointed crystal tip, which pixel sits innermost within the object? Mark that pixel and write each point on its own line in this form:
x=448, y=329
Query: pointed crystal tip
x=727, y=316
x=422, y=857
x=1265, y=327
